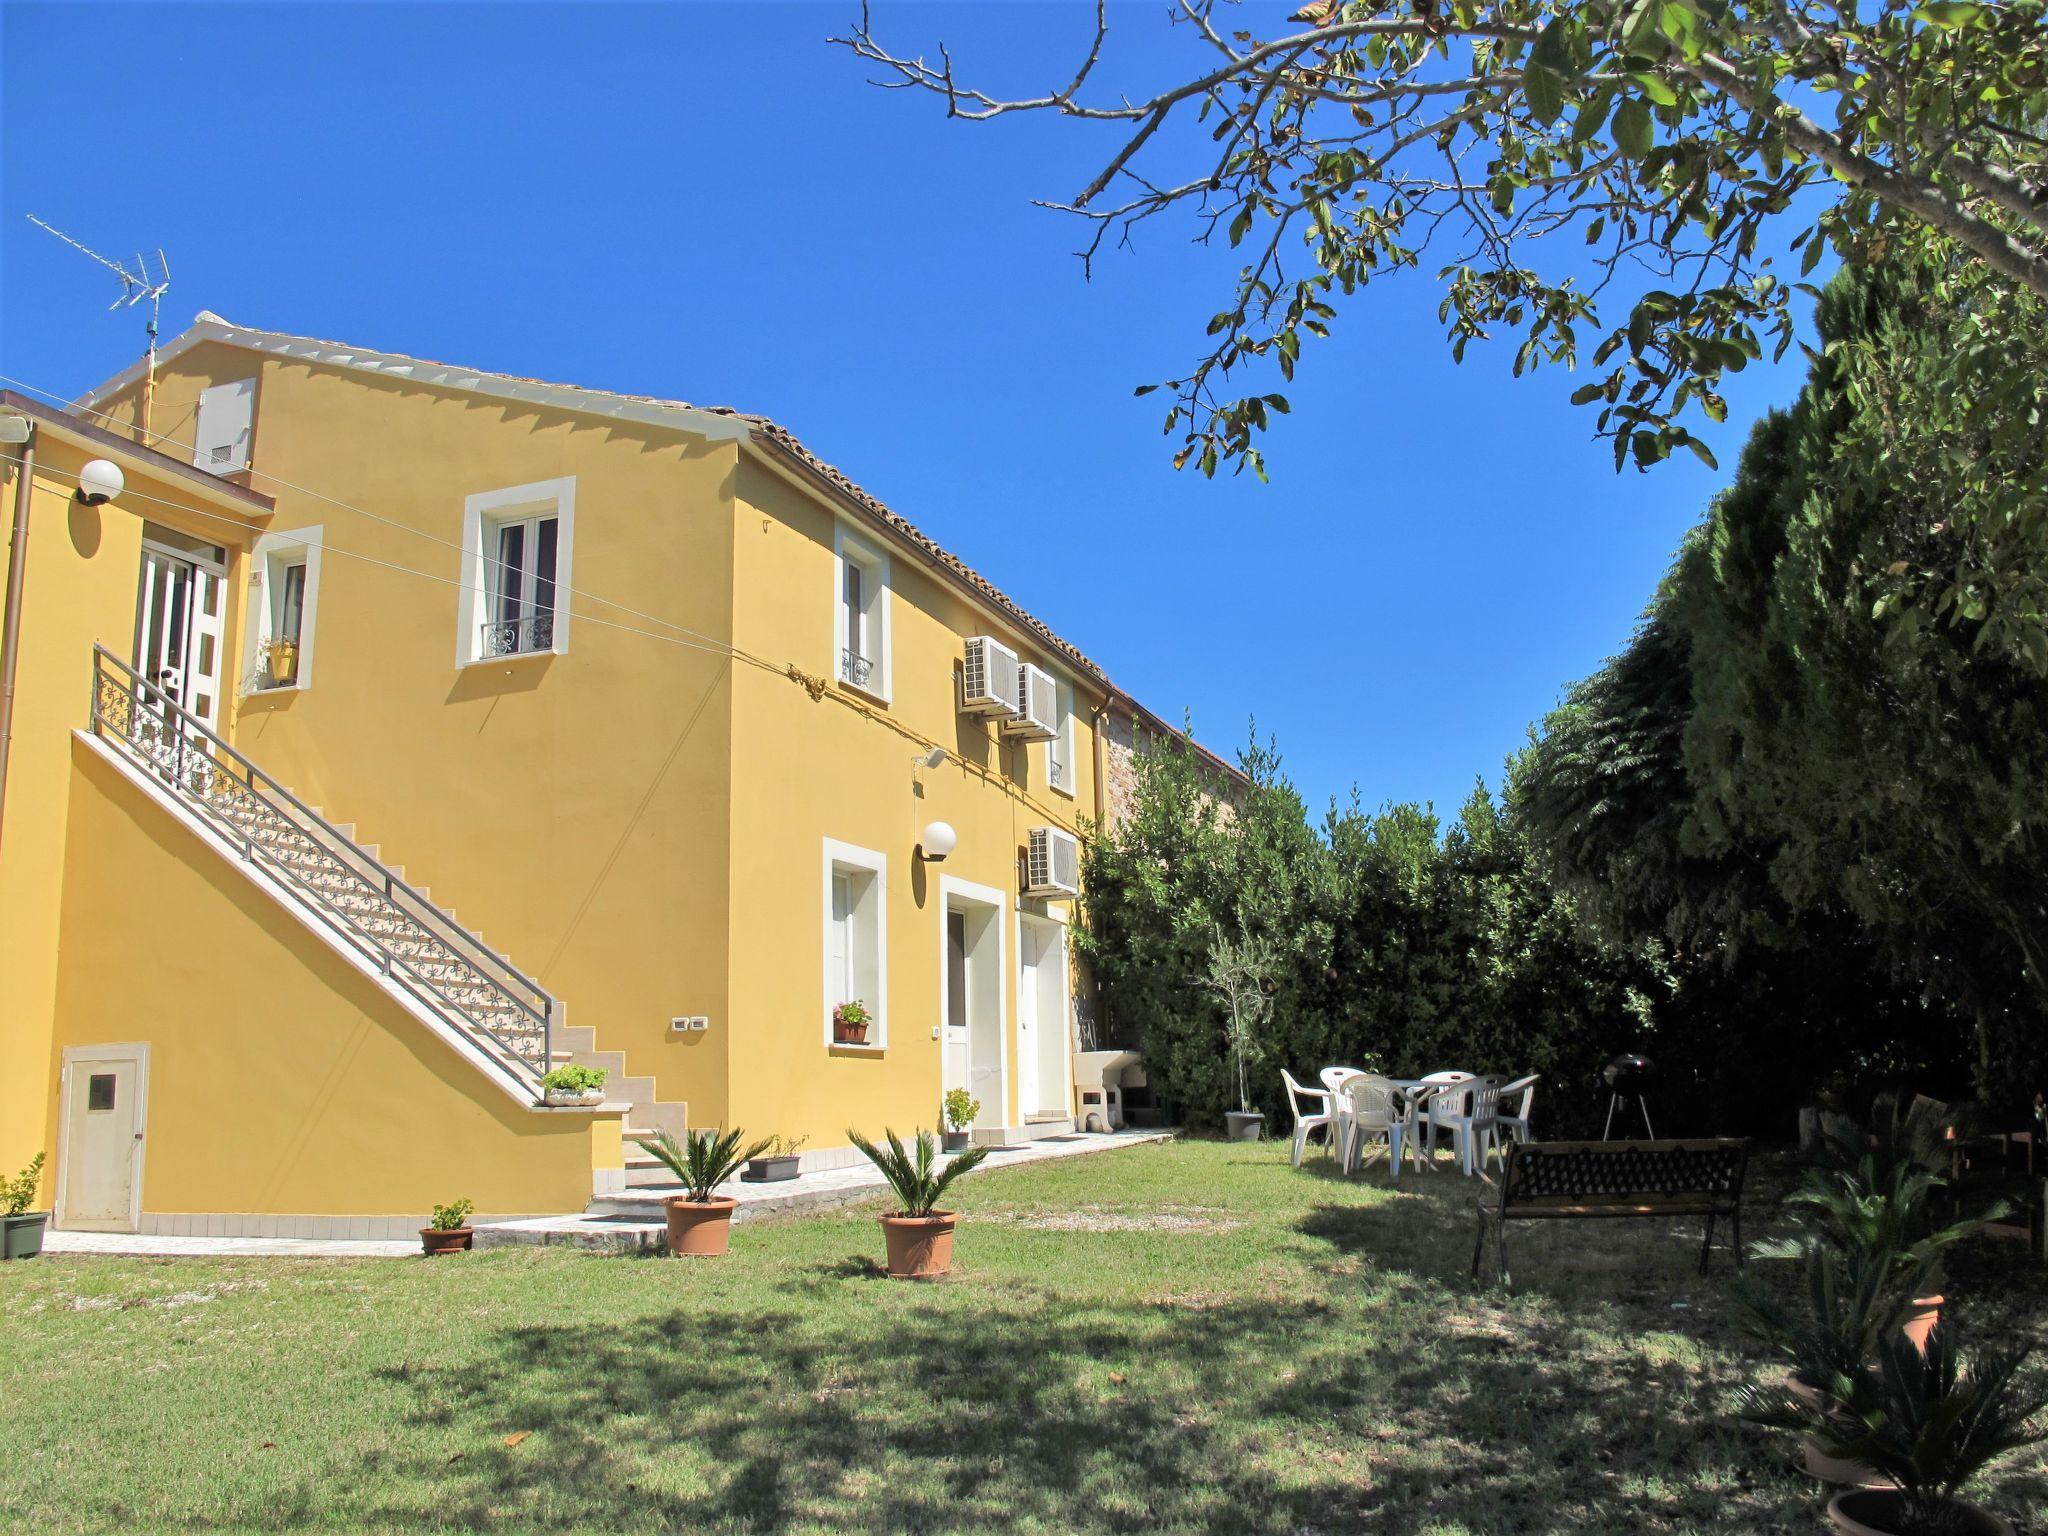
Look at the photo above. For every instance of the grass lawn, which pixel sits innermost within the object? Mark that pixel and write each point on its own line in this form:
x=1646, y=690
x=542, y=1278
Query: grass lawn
x=1181, y=1338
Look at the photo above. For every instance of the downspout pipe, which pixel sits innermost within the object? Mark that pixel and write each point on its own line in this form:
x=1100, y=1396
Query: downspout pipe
x=10, y=622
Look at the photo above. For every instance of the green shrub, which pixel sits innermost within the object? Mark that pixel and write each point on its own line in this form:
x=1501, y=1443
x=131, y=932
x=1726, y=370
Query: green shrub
x=573, y=1079
x=449, y=1217
x=19, y=1193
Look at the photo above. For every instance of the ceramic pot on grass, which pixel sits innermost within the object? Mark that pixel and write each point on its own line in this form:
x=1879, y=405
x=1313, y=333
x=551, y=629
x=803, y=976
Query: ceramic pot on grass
x=699, y=1229
x=435, y=1241
x=1919, y=1321
x=22, y=1235
x=1240, y=1126
x=920, y=1247
x=954, y=1141
x=1881, y=1512
x=1824, y=1467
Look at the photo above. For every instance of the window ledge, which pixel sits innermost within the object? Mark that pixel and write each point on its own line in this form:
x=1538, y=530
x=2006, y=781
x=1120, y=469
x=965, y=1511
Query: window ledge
x=838, y=1048
x=1060, y=789
x=861, y=690
x=509, y=659
x=271, y=690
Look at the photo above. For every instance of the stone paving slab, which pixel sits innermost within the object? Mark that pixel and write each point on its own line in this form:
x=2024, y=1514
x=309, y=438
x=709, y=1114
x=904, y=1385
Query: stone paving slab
x=224, y=1247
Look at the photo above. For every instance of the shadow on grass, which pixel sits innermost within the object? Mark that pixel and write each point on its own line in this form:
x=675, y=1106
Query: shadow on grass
x=953, y=1409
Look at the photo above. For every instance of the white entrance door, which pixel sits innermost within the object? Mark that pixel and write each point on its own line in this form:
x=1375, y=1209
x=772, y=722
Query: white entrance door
x=974, y=997
x=1041, y=1017
x=180, y=625
x=100, y=1174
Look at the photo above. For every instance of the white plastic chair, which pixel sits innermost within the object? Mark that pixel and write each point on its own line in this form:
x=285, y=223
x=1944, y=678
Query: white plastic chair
x=1516, y=1122
x=1378, y=1110
x=1333, y=1080
x=1446, y=1104
x=1323, y=1116
x=1477, y=1132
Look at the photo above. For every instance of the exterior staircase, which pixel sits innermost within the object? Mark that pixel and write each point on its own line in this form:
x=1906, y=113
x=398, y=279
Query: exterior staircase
x=518, y=1031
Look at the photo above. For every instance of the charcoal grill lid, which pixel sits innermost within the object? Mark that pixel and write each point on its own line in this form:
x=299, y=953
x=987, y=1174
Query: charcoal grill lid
x=1625, y=1070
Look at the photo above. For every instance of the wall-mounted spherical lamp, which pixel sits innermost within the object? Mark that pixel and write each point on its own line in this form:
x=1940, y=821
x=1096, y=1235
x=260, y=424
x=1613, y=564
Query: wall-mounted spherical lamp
x=936, y=841
x=99, y=482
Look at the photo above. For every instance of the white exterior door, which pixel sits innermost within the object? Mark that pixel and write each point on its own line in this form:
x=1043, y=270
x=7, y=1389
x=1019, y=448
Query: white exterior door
x=100, y=1175
x=975, y=996
x=1042, y=1049
x=180, y=629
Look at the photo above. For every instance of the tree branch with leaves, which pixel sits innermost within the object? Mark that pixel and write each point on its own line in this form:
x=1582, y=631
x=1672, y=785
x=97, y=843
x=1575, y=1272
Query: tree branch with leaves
x=1459, y=136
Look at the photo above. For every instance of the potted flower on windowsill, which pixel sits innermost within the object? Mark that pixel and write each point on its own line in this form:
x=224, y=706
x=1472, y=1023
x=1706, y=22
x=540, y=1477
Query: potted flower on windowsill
x=282, y=657
x=700, y=1219
x=21, y=1229
x=450, y=1231
x=919, y=1236
x=961, y=1108
x=777, y=1162
x=574, y=1085
x=850, y=1023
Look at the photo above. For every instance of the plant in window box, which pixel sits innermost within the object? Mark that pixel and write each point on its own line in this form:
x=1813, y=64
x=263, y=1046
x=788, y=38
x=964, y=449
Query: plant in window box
x=920, y=1236
x=21, y=1229
x=574, y=1085
x=449, y=1231
x=961, y=1108
x=282, y=657
x=700, y=1219
x=850, y=1023
x=777, y=1161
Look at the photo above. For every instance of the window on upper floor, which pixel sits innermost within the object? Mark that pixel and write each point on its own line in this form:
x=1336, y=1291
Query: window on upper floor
x=856, y=968
x=1059, y=752
x=517, y=544
x=283, y=602
x=225, y=426
x=861, y=615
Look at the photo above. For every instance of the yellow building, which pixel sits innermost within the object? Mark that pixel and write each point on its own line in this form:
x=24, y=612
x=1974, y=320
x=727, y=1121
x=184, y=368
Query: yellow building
x=445, y=725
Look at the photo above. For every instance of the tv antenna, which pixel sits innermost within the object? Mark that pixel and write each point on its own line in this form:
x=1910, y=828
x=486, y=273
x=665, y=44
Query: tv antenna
x=136, y=287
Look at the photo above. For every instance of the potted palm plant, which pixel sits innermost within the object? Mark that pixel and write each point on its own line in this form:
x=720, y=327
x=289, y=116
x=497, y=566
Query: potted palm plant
x=449, y=1232
x=850, y=1023
x=700, y=1219
x=21, y=1229
x=1241, y=974
x=919, y=1236
x=574, y=1085
x=777, y=1162
x=1925, y=1421
x=961, y=1107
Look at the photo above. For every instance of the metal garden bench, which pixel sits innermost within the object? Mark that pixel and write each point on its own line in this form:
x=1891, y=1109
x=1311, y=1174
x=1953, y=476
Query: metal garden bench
x=1564, y=1180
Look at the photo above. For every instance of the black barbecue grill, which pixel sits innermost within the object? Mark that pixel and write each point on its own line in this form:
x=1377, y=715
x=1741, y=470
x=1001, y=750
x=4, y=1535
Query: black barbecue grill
x=1628, y=1077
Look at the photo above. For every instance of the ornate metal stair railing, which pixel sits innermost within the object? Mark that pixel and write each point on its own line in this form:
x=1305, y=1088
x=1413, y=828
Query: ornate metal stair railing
x=413, y=942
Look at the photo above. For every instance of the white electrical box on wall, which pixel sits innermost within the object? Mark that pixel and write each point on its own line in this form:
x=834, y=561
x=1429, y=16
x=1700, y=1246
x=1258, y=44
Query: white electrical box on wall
x=682, y=1024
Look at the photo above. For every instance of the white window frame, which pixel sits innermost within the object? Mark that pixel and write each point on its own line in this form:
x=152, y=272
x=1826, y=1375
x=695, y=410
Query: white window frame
x=1059, y=752
x=849, y=859
x=482, y=515
x=873, y=564
x=270, y=555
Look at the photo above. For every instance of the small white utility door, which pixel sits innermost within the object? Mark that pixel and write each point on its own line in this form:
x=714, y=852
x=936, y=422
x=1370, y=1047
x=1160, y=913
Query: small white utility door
x=227, y=420
x=180, y=629
x=105, y=1088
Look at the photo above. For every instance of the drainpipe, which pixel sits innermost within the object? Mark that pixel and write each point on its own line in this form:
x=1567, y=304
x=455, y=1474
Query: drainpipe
x=10, y=624
x=1098, y=735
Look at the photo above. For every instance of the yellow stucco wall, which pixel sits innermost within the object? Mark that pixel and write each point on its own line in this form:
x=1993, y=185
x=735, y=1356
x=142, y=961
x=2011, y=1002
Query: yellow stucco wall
x=570, y=808
x=80, y=586
x=281, y=1080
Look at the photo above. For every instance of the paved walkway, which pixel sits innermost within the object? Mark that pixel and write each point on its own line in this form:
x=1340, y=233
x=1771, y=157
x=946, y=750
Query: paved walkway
x=625, y=1222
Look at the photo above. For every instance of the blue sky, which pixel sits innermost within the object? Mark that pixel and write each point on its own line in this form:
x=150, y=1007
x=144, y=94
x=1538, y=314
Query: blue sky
x=709, y=202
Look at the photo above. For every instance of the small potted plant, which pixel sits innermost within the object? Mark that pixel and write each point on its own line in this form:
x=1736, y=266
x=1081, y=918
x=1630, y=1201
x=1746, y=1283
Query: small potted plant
x=21, y=1229
x=1241, y=974
x=574, y=1085
x=1924, y=1421
x=777, y=1162
x=919, y=1236
x=961, y=1108
x=700, y=1219
x=283, y=659
x=850, y=1023
x=450, y=1231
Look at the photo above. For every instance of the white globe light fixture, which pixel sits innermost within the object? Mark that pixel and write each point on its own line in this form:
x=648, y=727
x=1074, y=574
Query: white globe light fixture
x=937, y=840
x=99, y=482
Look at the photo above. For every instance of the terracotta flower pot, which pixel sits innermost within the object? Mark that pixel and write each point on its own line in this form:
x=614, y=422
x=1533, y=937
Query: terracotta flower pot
x=1877, y=1512
x=849, y=1034
x=700, y=1229
x=1919, y=1321
x=1826, y=1468
x=439, y=1240
x=920, y=1247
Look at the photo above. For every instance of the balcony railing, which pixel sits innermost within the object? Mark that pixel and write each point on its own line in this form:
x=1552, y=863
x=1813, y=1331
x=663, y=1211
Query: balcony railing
x=855, y=668
x=521, y=636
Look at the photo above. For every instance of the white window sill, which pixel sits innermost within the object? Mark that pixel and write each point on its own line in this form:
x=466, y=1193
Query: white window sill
x=509, y=659
x=870, y=1049
x=872, y=695
x=1059, y=789
x=262, y=690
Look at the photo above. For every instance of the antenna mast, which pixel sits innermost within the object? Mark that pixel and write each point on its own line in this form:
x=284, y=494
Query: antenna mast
x=136, y=286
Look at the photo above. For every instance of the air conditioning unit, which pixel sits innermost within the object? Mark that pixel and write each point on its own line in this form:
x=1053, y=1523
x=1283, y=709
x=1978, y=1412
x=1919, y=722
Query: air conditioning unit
x=1052, y=863
x=1038, y=705
x=988, y=680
